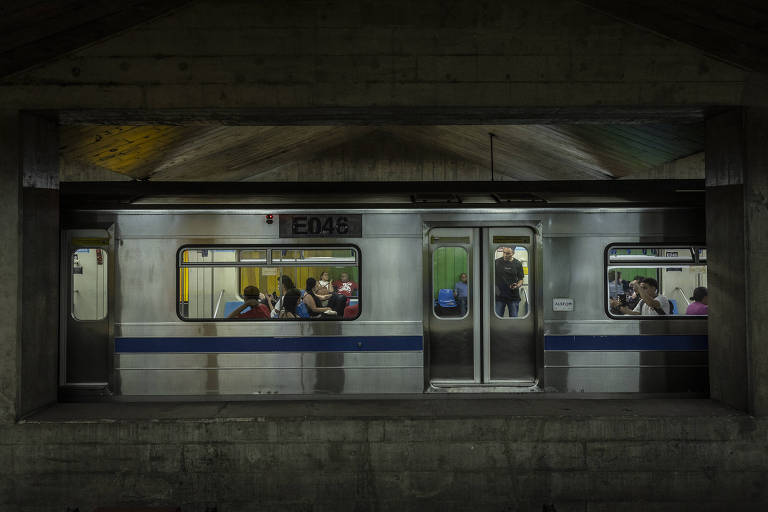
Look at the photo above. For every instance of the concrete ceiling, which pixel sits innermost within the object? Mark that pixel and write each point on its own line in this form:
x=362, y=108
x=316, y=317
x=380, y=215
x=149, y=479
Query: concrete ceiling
x=239, y=153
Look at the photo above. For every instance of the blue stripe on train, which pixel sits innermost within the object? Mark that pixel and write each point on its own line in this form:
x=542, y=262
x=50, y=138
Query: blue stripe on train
x=270, y=344
x=643, y=342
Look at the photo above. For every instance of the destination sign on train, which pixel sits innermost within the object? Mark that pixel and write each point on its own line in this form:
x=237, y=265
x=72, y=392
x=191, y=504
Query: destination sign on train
x=321, y=226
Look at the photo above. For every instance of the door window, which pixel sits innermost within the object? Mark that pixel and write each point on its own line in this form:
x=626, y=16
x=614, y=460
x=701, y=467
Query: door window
x=450, y=282
x=510, y=276
x=89, y=284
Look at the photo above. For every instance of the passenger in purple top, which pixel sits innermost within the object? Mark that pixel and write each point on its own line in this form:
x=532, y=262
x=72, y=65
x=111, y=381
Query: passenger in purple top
x=461, y=292
x=700, y=306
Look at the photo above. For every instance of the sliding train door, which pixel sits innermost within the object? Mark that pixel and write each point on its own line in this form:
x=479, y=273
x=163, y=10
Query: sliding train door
x=87, y=276
x=509, y=329
x=454, y=321
x=480, y=298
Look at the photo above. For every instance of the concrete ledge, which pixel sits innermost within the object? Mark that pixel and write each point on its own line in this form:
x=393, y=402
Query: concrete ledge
x=439, y=453
x=421, y=406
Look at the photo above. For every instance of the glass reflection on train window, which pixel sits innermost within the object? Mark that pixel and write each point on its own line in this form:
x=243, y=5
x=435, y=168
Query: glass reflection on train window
x=89, y=284
x=203, y=255
x=255, y=285
x=314, y=255
x=252, y=255
x=618, y=254
x=450, y=285
x=677, y=286
x=510, y=274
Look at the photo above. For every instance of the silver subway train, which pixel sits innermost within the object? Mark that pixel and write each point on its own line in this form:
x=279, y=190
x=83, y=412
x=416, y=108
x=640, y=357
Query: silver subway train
x=150, y=298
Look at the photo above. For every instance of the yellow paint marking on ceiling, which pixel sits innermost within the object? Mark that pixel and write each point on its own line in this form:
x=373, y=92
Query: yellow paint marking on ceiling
x=127, y=150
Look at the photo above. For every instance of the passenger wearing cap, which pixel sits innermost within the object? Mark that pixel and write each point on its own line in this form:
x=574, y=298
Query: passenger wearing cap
x=253, y=298
x=700, y=304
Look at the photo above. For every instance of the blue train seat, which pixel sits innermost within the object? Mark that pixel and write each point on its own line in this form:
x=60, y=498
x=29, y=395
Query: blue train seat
x=673, y=307
x=229, y=307
x=445, y=298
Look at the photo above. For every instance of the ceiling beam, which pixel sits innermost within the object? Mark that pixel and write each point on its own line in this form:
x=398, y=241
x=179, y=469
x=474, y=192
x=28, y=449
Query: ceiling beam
x=735, y=32
x=379, y=116
x=46, y=30
x=85, y=195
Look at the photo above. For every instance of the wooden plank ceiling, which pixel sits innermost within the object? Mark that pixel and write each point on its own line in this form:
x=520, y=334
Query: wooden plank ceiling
x=234, y=153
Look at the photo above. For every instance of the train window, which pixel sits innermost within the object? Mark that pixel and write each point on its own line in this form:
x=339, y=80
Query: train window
x=89, y=284
x=219, y=283
x=619, y=254
x=675, y=279
x=321, y=256
x=450, y=285
x=510, y=274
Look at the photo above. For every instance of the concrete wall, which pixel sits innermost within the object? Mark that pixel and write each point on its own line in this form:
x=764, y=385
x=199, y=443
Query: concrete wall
x=575, y=457
x=347, y=53
x=10, y=260
x=737, y=215
x=277, y=54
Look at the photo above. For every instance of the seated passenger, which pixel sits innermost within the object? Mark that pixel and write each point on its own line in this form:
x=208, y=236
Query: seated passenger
x=291, y=300
x=324, y=288
x=344, y=286
x=286, y=284
x=651, y=302
x=700, y=306
x=614, y=285
x=461, y=292
x=253, y=304
x=313, y=301
x=633, y=297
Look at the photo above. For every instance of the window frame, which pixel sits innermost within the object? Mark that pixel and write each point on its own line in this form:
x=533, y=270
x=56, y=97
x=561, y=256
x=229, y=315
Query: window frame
x=72, y=314
x=529, y=307
x=469, y=288
x=267, y=263
x=660, y=264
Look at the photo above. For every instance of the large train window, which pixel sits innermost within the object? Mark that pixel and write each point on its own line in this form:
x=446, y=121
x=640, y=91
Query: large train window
x=268, y=283
x=510, y=276
x=656, y=281
x=450, y=282
x=89, y=284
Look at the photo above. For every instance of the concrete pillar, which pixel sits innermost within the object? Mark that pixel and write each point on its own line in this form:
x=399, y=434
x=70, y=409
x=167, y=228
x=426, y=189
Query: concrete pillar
x=40, y=262
x=737, y=242
x=10, y=291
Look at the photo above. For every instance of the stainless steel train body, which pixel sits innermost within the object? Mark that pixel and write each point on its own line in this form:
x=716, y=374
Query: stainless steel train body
x=563, y=339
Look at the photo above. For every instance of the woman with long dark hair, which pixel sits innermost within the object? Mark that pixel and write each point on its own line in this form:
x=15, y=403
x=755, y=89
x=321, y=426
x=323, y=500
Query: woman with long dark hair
x=312, y=301
x=291, y=301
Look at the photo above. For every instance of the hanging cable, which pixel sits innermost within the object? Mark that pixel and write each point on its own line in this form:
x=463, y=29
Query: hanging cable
x=491, y=136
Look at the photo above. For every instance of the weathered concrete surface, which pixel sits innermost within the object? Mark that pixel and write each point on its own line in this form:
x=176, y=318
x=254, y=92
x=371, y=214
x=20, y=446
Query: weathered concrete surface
x=756, y=216
x=342, y=53
x=10, y=291
x=346, y=53
x=737, y=242
x=411, y=454
x=40, y=269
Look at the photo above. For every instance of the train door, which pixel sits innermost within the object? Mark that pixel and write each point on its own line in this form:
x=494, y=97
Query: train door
x=87, y=308
x=480, y=298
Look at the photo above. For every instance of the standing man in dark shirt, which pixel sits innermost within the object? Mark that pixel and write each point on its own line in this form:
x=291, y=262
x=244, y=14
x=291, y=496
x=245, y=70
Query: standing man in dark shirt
x=509, y=278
